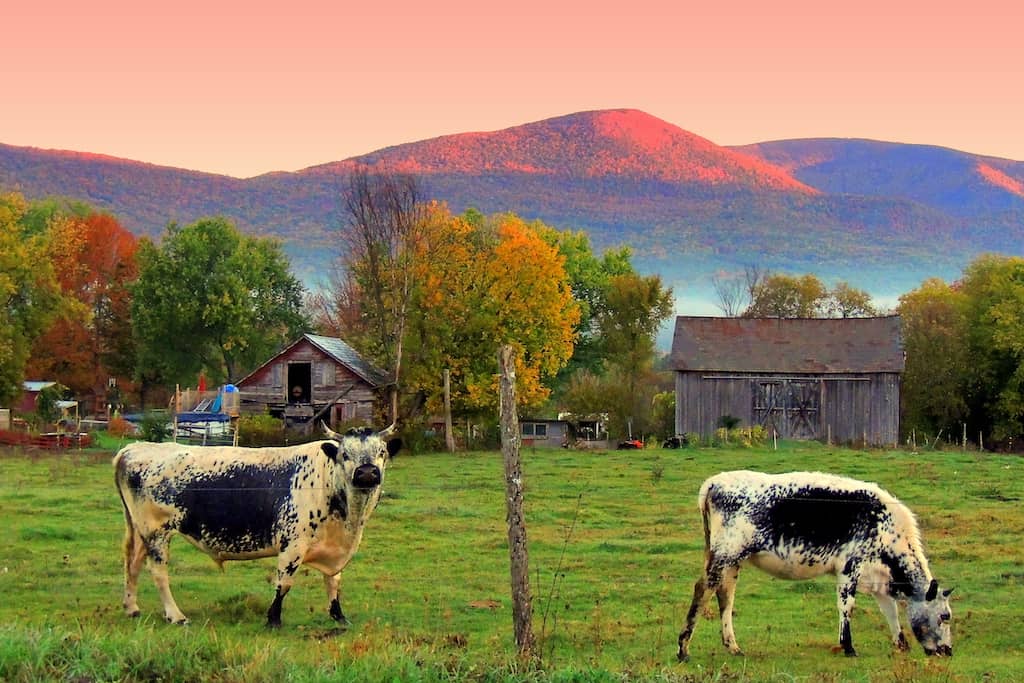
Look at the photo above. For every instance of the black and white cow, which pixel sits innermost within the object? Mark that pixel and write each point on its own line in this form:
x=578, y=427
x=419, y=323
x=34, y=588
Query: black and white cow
x=306, y=504
x=804, y=524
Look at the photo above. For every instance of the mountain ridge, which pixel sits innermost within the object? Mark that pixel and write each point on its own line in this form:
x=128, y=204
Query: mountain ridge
x=882, y=215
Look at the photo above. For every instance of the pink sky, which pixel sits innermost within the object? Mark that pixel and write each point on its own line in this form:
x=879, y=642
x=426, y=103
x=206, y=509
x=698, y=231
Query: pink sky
x=247, y=88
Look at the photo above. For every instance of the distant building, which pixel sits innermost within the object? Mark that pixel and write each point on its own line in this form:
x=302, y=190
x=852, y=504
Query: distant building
x=836, y=378
x=29, y=392
x=314, y=377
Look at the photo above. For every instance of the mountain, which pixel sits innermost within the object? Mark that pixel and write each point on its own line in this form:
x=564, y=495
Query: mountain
x=882, y=216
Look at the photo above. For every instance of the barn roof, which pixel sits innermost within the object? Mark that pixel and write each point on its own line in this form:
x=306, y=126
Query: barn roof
x=346, y=355
x=339, y=351
x=779, y=345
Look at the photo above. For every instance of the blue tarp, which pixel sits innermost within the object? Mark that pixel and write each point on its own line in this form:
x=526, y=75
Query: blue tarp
x=197, y=416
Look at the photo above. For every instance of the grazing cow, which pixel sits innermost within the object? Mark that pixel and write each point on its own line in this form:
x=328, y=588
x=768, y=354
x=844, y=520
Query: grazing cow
x=804, y=524
x=306, y=504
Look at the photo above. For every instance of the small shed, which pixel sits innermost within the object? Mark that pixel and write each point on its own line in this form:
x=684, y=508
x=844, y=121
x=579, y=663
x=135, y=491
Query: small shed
x=29, y=393
x=314, y=377
x=832, y=379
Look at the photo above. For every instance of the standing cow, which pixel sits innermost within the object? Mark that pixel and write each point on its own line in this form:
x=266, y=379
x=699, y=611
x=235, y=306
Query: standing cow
x=305, y=504
x=804, y=524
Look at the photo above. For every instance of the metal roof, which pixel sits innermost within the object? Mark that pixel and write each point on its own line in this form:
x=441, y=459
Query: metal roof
x=346, y=355
x=786, y=345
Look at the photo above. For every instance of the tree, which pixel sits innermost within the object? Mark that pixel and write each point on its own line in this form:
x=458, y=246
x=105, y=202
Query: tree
x=29, y=293
x=845, y=301
x=483, y=285
x=934, y=331
x=382, y=240
x=635, y=309
x=994, y=290
x=94, y=258
x=211, y=299
x=787, y=296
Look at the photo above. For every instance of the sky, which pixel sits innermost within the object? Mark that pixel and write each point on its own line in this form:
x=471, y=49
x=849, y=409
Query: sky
x=248, y=88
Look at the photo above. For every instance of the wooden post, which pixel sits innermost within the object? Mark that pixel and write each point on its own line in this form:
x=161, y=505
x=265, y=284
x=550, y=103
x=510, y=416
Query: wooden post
x=522, y=602
x=449, y=437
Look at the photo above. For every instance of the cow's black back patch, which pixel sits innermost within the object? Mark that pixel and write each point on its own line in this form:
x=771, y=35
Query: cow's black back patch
x=820, y=518
x=236, y=509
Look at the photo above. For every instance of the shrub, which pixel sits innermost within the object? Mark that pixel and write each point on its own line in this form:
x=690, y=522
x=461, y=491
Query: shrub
x=118, y=426
x=154, y=427
x=260, y=430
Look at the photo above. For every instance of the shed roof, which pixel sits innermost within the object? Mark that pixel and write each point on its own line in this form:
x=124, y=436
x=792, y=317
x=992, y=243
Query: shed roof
x=339, y=351
x=345, y=354
x=786, y=345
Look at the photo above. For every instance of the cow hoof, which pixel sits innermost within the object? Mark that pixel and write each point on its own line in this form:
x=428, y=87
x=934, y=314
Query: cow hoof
x=177, y=622
x=683, y=657
x=134, y=614
x=850, y=653
x=274, y=625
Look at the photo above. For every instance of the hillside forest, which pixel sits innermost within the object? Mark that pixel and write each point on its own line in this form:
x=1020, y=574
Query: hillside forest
x=418, y=290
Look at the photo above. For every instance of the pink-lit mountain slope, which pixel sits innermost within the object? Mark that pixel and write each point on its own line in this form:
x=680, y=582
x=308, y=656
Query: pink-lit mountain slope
x=619, y=143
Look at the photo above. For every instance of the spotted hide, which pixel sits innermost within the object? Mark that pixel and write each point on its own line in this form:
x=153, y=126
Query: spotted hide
x=305, y=504
x=804, y=524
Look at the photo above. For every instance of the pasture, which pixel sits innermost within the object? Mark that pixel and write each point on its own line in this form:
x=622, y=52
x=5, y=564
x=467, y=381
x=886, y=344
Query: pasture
x=615, y=546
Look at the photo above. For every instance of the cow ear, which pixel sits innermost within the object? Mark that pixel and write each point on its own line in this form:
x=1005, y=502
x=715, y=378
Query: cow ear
x=330, y=449
x=933, y=590
x=394, y=445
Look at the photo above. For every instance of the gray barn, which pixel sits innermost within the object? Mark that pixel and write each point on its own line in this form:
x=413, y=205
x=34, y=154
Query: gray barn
x=835, y=378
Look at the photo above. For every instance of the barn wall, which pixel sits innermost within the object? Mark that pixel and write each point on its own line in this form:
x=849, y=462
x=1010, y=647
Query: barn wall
x=267, y=387
x=852, y=408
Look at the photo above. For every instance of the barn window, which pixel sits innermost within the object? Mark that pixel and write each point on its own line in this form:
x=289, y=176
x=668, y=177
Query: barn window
x=276, y=374
x=537, y=430
x=327, y=374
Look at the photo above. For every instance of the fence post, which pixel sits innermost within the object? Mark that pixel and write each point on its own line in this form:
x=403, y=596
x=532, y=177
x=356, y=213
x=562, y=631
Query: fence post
x=522, y=602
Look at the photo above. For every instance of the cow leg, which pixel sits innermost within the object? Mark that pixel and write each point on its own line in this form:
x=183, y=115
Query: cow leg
x=331, y=582
x=134, y=558
x=890, y=611
x=726, y=594
x=846, y=595
x=287, y=564
x=702, y=590
x=157, y=549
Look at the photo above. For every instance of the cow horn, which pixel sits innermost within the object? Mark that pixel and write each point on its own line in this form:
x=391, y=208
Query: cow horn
x=387, y=431
x=330, y=432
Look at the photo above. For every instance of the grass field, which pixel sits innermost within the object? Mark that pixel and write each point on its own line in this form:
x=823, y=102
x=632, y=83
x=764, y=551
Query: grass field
x=615, y=546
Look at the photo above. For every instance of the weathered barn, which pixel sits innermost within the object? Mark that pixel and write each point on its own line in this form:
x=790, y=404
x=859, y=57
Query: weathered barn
x=836, y=379
x=314, y=377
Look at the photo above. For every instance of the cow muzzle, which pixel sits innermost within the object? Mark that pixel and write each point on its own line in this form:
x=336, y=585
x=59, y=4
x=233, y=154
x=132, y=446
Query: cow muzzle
x=940, y=651
x=366, y=477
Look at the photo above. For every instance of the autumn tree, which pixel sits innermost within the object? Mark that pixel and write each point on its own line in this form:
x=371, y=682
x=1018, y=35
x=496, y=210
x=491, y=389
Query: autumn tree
x=846, y=301
x=788, y=296
x=94, y=259
x=29, y=292
x=209, y=298
x=482, y=285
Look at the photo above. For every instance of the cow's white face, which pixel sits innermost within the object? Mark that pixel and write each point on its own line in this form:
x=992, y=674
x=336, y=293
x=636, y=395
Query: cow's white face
x=929, y=619
x=363, y=455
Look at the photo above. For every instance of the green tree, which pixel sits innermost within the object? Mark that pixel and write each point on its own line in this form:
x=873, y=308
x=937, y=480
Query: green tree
x=211, y=299
x=788, y=296
x=29, y=292
x=846, y=301
x=635, y=308
x=993, y=286
x=935, y=379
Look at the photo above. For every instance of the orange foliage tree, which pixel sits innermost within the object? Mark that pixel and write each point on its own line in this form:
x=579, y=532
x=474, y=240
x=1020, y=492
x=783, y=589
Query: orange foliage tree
x=482, y=284
x=94, y=260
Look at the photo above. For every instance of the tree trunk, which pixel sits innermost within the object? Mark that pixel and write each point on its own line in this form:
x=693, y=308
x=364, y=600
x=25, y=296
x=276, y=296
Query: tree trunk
x=522, y=602
x=449, y=436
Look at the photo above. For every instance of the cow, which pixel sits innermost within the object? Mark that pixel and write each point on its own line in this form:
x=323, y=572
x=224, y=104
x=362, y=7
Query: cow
x=801, y=525
x=306, y=504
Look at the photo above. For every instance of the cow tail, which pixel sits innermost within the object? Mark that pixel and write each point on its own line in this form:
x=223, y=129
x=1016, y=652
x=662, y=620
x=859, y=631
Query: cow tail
x=703, y=502
x=129, y=526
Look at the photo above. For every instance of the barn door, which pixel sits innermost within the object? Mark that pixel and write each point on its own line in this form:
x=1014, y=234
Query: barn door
x=802, y=409
x=769, y=405
x=787, y=407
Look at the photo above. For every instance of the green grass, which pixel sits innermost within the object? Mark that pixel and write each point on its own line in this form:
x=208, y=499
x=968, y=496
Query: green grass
x=615, y=546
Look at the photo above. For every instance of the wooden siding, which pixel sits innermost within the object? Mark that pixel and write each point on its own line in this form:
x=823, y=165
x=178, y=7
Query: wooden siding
x=858, y=408
x=268, y=387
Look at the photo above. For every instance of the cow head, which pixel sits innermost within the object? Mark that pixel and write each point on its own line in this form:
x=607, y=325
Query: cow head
x=929, y=619
x=362, y=454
